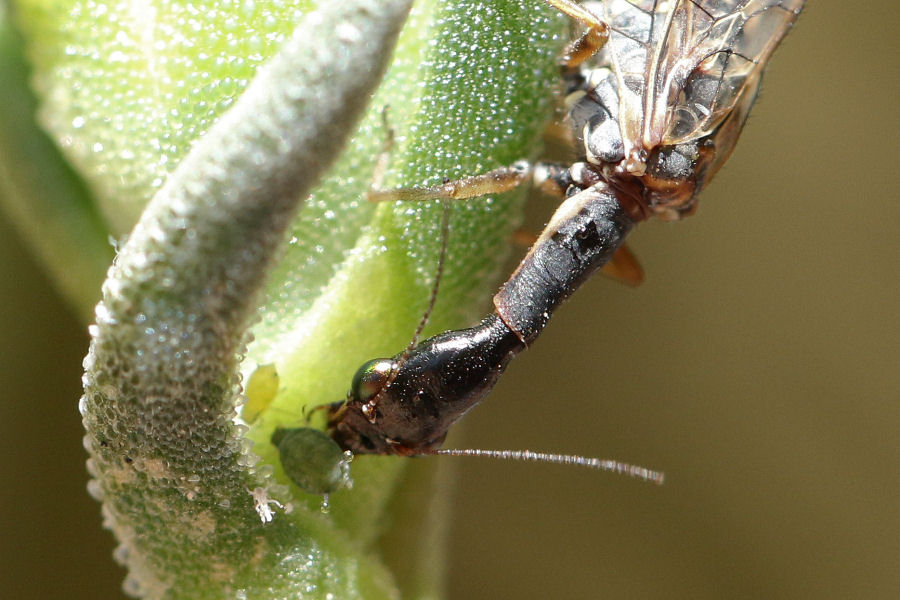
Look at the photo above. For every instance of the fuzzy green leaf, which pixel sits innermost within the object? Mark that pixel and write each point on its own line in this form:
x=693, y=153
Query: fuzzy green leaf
x=126, y=92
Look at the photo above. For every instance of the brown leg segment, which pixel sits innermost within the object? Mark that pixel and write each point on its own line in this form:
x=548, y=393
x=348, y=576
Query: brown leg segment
x=493, y=182
x=595, y=36
x=551, y=178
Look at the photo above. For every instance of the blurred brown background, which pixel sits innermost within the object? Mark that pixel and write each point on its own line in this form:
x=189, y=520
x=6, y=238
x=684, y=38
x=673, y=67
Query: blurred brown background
x=757, y=366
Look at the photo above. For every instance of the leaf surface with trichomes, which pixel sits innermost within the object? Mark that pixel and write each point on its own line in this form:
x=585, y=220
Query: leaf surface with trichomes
x=128, y=91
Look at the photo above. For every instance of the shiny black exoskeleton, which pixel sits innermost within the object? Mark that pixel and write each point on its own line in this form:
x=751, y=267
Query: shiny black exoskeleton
x=657, y=96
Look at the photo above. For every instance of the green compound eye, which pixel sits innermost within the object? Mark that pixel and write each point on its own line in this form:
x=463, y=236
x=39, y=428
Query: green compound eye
x=312, y=460
x=371, y=378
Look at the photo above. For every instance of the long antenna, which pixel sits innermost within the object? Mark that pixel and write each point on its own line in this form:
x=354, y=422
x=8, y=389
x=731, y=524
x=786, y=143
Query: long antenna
x=438, y=275
x=377, y=180
x=612, y=466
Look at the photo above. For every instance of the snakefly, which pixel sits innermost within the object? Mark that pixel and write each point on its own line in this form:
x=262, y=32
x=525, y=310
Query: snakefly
x=657, y=92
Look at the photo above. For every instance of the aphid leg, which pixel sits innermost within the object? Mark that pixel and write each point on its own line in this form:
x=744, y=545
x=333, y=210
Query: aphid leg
x=493, y=182
x=594, y=37
x=308, y=412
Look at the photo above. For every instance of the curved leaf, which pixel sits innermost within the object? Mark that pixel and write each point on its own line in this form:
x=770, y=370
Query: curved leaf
x=469, y=89
x=180, y=488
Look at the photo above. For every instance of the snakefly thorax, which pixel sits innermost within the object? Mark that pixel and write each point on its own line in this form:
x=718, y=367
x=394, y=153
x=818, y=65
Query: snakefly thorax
x=660, y=107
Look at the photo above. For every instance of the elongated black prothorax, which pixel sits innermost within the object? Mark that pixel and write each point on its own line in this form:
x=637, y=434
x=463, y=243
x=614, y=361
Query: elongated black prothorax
x=407, y=404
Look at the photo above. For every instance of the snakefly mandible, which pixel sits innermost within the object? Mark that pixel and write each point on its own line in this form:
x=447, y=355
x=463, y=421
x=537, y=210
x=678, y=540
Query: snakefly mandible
x=657, y=94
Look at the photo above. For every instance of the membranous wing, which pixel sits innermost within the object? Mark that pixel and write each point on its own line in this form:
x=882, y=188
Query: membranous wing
x=684, y=66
